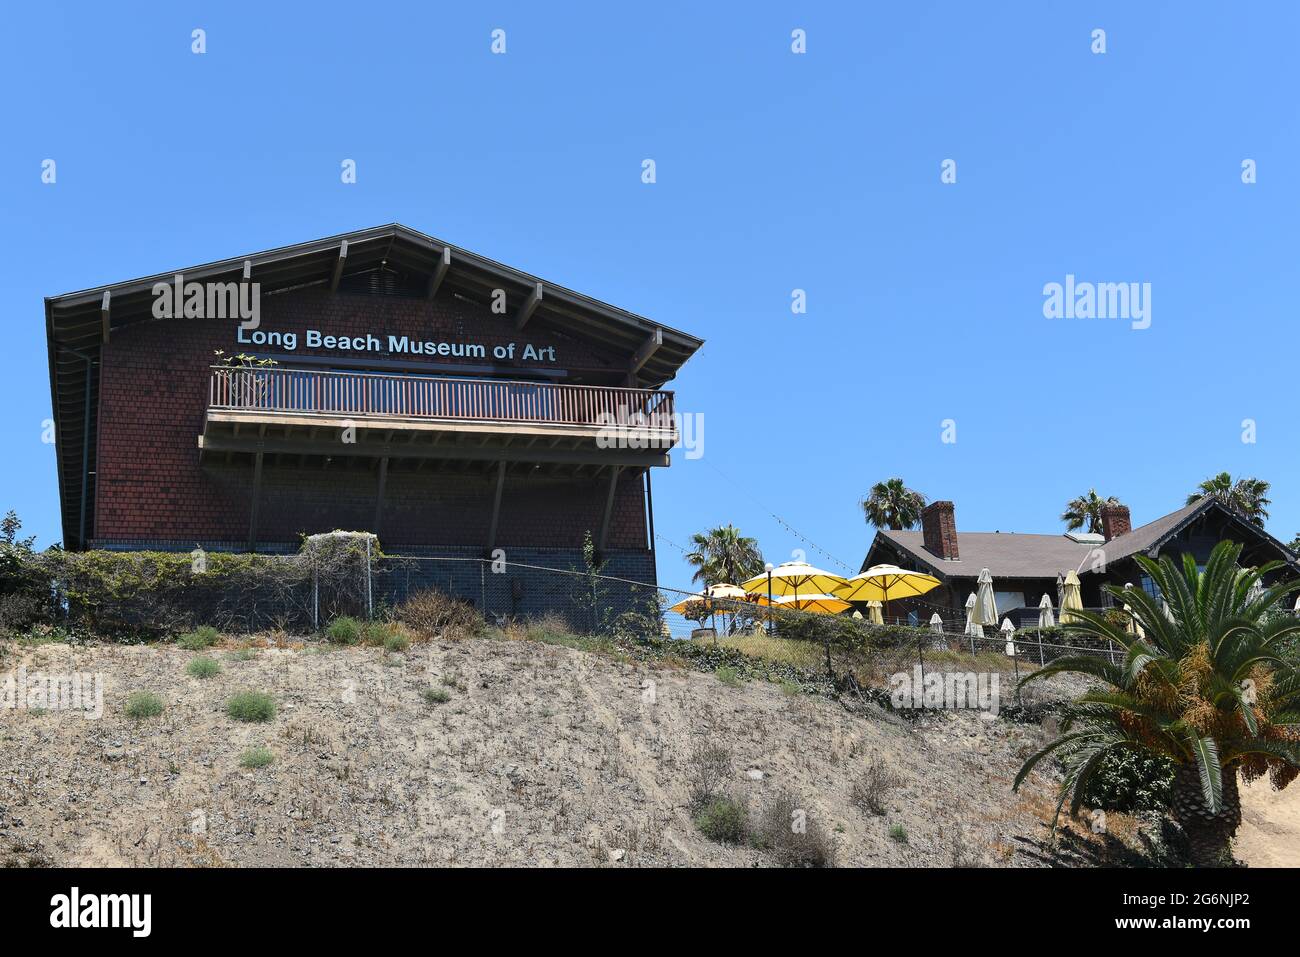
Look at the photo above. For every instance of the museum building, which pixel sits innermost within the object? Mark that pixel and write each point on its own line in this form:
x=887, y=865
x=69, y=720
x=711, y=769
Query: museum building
x=381, y=380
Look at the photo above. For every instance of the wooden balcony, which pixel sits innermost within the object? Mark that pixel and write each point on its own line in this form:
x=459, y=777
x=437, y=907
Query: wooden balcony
x=303, y=411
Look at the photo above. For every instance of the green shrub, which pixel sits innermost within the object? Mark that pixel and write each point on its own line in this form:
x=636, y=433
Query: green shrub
x=344, y=630
x=723, y=819
x=26, y=584
x=396, y=642
x=202, y=668
x=1130, y=780
x=148, y=595
x=848, y=633
x=242, y=654
x=550, y=628
x=258, y=757
x=436, y=695
x=898, y=833
x=728, y=676
x=205, y=636
x=251, y=706
x=143, y=704
x=1056, y=635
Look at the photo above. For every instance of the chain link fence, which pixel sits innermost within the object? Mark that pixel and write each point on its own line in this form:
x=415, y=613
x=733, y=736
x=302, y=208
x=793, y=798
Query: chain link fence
x=305, y=592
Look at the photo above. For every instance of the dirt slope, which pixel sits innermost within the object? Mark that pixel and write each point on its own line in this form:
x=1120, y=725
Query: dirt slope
x=543, y=755
x=1269, y=835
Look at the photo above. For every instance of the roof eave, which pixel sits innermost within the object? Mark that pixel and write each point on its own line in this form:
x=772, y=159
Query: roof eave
x=221, y=267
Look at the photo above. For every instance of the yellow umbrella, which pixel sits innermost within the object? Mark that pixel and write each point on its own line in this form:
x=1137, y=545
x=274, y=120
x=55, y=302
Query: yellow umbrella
x=883, y=582
x=727, y=593
x=1071, y=598
x=873, y=612
x=821, y=604
x=791, y=578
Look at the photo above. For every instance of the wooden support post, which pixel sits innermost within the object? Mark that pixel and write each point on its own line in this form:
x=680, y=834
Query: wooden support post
x=257, y=495
x=496, y=508
x=609, y=509
x=379, y=496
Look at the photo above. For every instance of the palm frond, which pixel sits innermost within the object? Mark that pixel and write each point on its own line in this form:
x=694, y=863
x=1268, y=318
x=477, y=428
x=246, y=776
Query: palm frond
x=1206, y=753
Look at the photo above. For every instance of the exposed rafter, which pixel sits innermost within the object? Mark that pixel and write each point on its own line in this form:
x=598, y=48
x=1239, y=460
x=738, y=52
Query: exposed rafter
x=338, y=266
x=648, y=349
x=529, y=307
x=440, y=273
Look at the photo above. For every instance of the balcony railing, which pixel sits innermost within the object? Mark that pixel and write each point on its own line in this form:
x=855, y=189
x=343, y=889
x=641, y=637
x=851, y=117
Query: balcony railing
x=378, y=395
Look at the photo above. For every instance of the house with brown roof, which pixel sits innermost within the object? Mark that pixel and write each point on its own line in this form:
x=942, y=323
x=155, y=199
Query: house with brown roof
x=1027, y=566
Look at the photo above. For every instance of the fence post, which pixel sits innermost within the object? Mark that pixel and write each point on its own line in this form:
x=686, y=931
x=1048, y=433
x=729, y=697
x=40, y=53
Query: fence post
x=315, y=598
x=920, y=654
x=370, y=604
x=1041, y=660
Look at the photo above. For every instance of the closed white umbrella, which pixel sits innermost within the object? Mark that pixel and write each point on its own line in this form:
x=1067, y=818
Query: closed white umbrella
x=1071, y=597
x=972, y=626
x=1256, y=591
x=986, y=606
x=874, y=613
x=1045, y=617
x=1133, y=628
x=936, y=623
x=1008, y=630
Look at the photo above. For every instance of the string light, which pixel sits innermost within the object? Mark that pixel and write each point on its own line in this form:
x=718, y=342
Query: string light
x=780, y=521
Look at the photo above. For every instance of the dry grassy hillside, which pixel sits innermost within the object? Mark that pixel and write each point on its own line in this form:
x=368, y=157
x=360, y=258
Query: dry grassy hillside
x=539, y=755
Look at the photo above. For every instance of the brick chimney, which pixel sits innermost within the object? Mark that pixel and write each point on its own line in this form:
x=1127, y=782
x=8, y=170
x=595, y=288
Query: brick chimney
x=1115, y=521
x=939, y=530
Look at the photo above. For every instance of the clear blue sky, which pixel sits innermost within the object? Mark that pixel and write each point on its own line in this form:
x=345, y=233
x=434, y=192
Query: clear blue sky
x=776, y=171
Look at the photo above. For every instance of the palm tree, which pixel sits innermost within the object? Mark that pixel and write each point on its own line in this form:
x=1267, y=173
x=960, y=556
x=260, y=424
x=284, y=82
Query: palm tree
x=1209, y=687
x=891, y=504
x=1246, y=495
x=722, y=554
x=1086, y=509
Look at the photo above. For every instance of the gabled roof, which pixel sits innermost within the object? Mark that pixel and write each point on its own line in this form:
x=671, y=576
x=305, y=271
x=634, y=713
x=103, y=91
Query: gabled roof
x=1005, y=554
x=78, y=323
x=1013, y=555
x=1149, y=538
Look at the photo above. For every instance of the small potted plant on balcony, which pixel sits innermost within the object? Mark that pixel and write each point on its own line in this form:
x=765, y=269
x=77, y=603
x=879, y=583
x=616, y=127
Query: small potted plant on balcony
x=239, y=380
